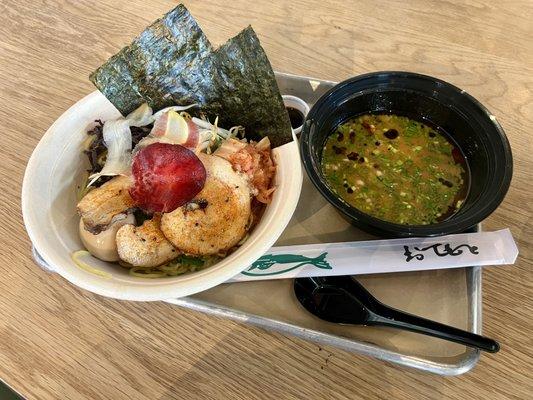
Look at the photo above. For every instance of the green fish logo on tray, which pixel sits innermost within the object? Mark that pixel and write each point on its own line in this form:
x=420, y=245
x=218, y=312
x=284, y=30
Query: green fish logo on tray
x=268, y=261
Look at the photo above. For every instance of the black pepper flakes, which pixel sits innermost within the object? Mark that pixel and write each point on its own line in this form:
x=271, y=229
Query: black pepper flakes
x=349, y=190
x=340, y=137
x=446, y=182
x=202, y=203
x=352, y=136
x=361, y=160
x=352, y=156
x=339, y=150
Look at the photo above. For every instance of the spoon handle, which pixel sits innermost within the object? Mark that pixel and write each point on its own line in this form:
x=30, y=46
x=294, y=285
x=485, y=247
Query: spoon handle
x=398, y=319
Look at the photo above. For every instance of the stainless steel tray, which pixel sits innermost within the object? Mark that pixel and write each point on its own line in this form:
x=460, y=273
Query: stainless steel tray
x=449, y=296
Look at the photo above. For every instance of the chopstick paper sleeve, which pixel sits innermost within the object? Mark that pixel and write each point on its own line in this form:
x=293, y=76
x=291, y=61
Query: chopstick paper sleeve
x=382, y=256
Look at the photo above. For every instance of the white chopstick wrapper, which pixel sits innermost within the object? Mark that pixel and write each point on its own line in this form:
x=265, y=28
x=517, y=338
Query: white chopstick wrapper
x=381, y=256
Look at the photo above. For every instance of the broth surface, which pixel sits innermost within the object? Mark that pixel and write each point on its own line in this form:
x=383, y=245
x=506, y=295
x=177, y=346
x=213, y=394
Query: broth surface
x=395, y=169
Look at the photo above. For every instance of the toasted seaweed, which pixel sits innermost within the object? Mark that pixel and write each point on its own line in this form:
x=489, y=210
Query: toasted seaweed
x=249, y=94
x=138, y=73
x=172, y=62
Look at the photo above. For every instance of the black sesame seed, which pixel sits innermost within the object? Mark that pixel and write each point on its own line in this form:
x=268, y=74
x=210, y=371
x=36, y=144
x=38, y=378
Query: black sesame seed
x=361, y=160
x=377, y=143
x=349, y=190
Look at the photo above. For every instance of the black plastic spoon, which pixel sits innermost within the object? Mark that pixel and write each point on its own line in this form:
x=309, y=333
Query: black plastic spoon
x=341, y=299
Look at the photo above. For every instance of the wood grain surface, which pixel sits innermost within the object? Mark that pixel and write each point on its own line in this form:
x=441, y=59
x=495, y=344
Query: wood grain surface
x=59, y=342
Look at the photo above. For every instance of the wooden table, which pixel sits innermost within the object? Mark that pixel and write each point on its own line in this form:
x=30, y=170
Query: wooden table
x=59, y=342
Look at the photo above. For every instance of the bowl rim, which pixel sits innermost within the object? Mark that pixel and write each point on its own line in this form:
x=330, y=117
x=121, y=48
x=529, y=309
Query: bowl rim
x=147, y=289
x=377, y=83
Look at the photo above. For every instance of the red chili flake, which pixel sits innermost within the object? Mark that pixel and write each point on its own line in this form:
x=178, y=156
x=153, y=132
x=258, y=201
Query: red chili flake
x=457, y=156
x=369, y=127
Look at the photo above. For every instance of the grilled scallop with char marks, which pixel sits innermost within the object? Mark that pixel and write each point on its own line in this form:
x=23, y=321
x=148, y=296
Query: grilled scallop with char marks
x=145, y=245
x=217, y=218
x=100, y=205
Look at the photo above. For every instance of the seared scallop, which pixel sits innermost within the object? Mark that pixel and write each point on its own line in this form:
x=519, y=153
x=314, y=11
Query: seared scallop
x=100, y=205
x=217, y=218
x=145, y=245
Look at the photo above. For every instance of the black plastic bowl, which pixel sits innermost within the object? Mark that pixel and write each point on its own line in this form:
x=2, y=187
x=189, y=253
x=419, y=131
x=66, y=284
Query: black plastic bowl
x=473, y=128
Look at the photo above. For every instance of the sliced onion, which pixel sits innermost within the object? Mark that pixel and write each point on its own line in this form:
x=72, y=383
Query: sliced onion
x=263, y=144
x=229, y=147
x=173, y=108
x=141, y=116
x=117, y=138
x=212, y=128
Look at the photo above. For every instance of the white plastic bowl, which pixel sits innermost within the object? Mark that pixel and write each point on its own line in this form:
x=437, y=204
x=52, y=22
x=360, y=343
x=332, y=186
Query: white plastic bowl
x=49, y=210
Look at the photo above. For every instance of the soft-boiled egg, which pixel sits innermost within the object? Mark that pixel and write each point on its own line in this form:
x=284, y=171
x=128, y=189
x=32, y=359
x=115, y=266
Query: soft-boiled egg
x=103, y=245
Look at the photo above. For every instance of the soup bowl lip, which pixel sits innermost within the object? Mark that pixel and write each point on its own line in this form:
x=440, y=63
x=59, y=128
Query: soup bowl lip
x=458, y=101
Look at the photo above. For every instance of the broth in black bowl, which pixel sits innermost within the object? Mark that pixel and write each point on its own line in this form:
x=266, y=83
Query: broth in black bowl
x=441, y=106
x=395, y=169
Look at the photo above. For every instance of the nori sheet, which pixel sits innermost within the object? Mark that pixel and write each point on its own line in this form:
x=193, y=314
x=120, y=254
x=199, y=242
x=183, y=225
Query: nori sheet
x=136, y=74
x=172, y=62
x=248, y=92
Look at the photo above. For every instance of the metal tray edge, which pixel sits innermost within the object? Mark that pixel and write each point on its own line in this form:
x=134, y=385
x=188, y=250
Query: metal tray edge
x=330, y=340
